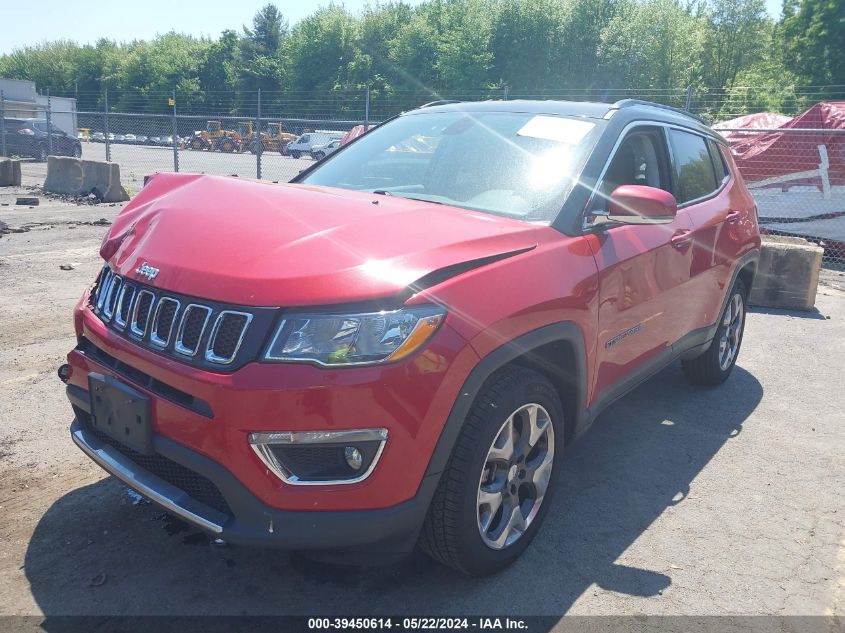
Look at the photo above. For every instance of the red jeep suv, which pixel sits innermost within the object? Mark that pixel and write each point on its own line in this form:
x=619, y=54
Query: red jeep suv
x=396, y=348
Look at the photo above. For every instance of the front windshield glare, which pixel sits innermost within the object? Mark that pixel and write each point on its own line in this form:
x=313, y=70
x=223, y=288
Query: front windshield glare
x=513, y=164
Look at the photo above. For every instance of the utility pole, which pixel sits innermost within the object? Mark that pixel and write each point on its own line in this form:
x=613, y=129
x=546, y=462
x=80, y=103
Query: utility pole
x=2, y=124
x=367, y=110
x=258, y=145
x=175, y=134
x=106, y=124
x=49, y=127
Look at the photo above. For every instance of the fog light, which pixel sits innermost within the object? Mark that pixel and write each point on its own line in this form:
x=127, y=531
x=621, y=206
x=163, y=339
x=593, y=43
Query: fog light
x=353, y=457
x=320, y=457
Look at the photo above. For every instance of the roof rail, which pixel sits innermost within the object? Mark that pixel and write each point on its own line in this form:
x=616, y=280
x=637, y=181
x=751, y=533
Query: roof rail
x=627, y=103
x=438, y=102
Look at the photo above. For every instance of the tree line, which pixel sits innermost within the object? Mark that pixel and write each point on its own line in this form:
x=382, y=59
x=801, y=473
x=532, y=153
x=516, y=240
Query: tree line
x=592, y=48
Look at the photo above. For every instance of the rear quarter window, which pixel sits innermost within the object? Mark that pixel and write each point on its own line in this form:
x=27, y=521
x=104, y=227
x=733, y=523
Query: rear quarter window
x=693, y=166
x=718, y=161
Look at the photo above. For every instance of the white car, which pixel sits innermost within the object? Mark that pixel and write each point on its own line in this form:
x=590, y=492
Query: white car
x=129, y=138
x=319, y=152
x=306, y=143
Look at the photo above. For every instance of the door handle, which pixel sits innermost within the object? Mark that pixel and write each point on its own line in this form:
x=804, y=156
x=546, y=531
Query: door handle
x=681, y=239
x=732, y=216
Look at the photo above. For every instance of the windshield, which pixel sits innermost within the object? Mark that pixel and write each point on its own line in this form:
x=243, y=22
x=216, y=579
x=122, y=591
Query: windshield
x=514, y=164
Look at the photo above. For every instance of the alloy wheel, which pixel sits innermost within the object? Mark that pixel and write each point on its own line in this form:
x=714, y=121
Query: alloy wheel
x=731, y=331
x=515, y=476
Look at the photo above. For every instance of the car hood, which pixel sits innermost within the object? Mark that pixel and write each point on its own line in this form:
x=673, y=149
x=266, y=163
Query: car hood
x=263, y=244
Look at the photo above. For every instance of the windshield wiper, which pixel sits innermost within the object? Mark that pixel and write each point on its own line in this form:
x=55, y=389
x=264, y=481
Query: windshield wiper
x=382, y=192
x=418, y=199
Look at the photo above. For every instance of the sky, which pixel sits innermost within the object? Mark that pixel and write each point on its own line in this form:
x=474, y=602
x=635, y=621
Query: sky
x=85, y=21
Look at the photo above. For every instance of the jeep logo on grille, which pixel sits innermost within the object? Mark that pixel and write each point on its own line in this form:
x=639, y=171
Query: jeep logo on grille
x=145, y=270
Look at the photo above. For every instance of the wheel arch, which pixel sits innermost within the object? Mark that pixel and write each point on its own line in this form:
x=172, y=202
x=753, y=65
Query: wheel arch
x=556, y=351
x=747, y=272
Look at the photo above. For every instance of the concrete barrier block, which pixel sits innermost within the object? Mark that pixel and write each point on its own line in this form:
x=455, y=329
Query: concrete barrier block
x=16, y=173
x=788, y=273
x=79, y=177
x=10, y=172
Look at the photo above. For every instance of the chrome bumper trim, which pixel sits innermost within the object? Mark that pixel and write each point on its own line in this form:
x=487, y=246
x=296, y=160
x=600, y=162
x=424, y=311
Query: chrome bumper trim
x=154, y=488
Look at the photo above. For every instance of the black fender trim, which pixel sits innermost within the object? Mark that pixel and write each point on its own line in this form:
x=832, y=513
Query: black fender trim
x=748, y=258
x=564, y=331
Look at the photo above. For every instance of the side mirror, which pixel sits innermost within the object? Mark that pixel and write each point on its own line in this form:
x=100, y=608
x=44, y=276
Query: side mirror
x=638, y=204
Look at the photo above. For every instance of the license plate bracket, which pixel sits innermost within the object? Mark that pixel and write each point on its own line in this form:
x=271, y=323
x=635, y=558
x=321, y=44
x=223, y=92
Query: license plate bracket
x=121, y=412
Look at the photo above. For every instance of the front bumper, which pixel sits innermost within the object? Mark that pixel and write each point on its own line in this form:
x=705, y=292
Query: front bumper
x=214, y=413
x=241, y=518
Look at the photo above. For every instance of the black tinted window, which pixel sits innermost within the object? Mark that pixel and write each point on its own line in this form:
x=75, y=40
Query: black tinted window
x=694, y=168
x=639, y=160
x=718, y=161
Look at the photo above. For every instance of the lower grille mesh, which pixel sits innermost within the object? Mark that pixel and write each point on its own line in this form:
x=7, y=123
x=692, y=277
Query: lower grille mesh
x=194, y=484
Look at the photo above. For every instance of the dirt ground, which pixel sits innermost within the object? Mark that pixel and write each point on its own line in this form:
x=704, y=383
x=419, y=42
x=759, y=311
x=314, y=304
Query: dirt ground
x=679, y=500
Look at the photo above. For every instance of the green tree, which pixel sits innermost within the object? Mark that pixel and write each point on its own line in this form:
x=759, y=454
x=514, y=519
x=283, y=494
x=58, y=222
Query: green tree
x=260, y=63
x=654, y=44
x=320, y=49
x=814, y=40
x=377, y=30
x=529, y=44
x=735, y=40
x=218, y=73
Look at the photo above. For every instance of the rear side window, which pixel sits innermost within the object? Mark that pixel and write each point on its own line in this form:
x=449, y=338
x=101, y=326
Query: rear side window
x=718, y=161
x=693, y=166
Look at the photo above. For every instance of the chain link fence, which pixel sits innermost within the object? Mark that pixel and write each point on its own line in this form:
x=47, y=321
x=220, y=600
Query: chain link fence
x=797, y=178
x=797, y=175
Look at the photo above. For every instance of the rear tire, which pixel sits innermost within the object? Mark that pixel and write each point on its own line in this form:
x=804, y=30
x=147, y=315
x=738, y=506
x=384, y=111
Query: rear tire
x=488, y=507
x=715, y=365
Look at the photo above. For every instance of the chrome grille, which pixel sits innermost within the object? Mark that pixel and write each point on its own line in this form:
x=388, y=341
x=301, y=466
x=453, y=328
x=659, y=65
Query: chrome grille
x=124, y=302
x=191, y=329
x=103, y=288
x=141, y=313
x=227, y=336
x=156, y=320
x=163, y=320
x=112, y=294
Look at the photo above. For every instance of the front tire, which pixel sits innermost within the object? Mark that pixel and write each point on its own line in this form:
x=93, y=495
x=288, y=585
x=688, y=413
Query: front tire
x=496, y=488
x=295, y=154
x=715, y=365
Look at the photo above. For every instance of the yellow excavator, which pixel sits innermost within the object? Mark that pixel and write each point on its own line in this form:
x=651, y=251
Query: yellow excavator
x=274, y=140
x=214, y=137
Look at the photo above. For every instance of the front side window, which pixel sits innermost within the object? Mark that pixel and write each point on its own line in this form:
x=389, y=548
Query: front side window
x=641, y=159
x=514, y=164
x=693, y=166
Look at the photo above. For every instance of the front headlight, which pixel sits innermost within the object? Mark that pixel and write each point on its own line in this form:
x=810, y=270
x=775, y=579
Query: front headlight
x=354, y=339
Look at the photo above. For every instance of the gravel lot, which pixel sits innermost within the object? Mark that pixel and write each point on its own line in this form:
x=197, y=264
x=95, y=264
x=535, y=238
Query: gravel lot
x=138, y=161
x=679, y=500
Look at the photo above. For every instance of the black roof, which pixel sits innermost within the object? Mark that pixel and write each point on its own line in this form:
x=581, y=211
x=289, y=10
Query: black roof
x=589, y=109
x=564, y=108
